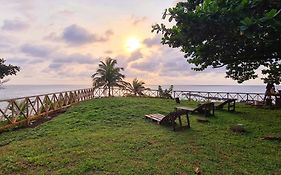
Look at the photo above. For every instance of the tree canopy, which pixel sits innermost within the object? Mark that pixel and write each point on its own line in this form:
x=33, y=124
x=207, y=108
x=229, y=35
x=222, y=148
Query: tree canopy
x=6, y=70
x=240, y=35
x=108, y=75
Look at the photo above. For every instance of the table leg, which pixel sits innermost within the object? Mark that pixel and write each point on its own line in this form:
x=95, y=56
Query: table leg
x=180, y=121
x=188, y=122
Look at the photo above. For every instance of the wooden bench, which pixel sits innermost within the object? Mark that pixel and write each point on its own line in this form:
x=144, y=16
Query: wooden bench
x=230, y=104
x=170, y=119
x=206, y=108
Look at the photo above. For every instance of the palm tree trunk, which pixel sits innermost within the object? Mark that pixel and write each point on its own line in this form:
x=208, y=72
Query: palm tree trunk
x=109, y=91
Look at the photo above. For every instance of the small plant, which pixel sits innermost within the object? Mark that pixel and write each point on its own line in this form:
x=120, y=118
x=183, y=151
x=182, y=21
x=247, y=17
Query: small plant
x=167, y=93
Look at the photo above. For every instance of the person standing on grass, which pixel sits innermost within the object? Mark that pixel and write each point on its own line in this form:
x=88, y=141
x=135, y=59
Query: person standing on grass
x=268, y=92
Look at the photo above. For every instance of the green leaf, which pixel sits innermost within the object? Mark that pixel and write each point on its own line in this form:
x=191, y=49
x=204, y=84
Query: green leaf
x=272, y=13
x=171, y=18
x=245, y=2
x=165, y=14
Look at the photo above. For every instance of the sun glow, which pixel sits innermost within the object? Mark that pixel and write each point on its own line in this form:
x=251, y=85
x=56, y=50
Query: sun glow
x=133, y=44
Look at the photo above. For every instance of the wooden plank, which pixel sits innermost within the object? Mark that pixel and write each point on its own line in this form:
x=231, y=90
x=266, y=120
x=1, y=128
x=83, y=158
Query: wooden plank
x=156, y=117
x=185, y=108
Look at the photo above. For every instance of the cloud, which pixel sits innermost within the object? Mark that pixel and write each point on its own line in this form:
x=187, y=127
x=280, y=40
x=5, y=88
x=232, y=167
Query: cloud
x=135, y=56
x=65, y=12
x=155, y=41
x=124, y=60
x=165, y=62
x=36, y=50
x=175, y=66
x=17, y=60
x=52, y=37
x=178, y=64
x=60, y=60
x=146, y=65
x=75, y=58
x=5, y=47
x=23, y=61
x=109, y=33
x=138, y=20
x=55, y=65
x=14, y=25
x=106, y=36
x=108, y=52
x=76, y=35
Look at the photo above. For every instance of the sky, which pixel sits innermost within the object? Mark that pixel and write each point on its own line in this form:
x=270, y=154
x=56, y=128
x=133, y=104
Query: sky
x=62, y=42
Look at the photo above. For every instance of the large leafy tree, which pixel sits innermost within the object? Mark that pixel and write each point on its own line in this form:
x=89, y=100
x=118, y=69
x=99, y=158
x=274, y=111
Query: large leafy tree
x=240, y=35
x=108, y=75
x=137, y=87
x=6, y=70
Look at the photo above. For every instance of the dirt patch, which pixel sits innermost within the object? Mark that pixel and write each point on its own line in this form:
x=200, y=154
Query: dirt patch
x=272, y=138
x=42, y=120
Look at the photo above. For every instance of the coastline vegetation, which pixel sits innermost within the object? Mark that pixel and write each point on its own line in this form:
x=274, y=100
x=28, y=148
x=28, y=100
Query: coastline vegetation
x=108, y=76
x=111, y=136
x=166, y=93
x=136, y=88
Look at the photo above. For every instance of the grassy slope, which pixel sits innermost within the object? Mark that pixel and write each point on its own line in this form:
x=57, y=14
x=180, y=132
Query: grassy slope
x=110, y=136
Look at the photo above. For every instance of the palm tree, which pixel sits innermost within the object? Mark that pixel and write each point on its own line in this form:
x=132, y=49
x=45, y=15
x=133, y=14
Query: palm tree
x=136, y=87
x=108, y=75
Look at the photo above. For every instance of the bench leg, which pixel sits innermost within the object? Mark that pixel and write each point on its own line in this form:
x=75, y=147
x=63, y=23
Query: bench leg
x=187, y=119
x=228, y=106
x=180, y=121
x=174, y=126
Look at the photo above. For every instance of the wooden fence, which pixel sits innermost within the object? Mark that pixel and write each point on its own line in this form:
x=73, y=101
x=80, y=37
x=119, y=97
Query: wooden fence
x=22, y=111
x=218, y=96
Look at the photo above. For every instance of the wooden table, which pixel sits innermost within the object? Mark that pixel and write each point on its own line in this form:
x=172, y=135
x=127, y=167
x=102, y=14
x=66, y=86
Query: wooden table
x=186, y=113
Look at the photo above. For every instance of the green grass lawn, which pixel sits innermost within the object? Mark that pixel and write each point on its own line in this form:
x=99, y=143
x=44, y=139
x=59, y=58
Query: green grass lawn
x=111, y=136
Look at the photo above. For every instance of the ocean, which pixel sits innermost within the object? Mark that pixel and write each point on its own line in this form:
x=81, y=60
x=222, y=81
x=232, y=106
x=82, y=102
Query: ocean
x=15, y=91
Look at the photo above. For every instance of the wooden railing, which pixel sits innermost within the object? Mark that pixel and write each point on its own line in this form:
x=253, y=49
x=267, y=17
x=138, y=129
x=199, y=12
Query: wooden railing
x=25, y=110
x=218, y=96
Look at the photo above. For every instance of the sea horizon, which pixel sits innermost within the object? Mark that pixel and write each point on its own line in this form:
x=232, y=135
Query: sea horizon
x=10, y=91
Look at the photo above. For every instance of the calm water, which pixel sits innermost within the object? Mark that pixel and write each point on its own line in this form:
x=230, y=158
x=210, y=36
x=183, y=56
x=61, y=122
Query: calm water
x=220, y=88
x=13, y=91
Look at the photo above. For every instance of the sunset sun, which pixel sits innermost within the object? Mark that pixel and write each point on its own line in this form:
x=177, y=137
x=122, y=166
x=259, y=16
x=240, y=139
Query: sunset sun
x=132, y=44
